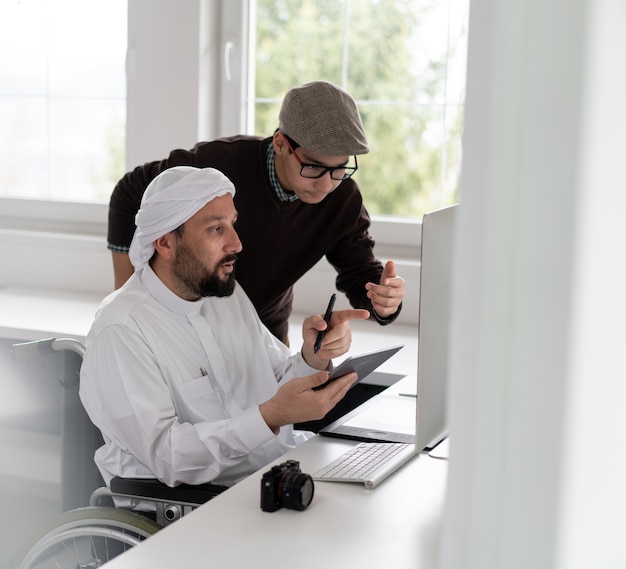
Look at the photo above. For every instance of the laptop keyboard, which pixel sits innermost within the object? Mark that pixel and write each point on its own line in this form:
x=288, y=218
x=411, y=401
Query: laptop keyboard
x=366, y=462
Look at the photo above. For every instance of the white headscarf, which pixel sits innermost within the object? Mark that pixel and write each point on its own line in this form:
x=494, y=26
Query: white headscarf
x=170, y=199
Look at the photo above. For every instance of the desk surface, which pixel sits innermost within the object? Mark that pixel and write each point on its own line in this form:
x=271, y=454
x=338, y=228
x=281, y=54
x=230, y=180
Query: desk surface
x=398, y=524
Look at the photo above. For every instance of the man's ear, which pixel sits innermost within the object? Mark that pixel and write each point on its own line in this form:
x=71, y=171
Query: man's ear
x=280, y=144
x=165, y=246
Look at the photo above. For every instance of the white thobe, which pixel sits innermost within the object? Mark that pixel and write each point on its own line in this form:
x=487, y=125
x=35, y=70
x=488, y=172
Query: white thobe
x=175, y=386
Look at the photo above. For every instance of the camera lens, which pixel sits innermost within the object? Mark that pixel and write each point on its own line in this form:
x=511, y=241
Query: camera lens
x=296, y=490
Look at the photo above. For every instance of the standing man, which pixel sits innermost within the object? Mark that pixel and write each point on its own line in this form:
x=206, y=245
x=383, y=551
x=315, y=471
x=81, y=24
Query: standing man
x=297, y=202
x=181, y=377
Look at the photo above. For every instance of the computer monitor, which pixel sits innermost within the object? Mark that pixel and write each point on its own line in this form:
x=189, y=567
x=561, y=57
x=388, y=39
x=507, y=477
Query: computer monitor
x=438, y=229
x=396, y=419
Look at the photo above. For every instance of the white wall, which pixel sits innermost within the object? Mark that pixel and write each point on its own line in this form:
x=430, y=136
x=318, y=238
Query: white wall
x=162, y=79
x=186, y=64
x=54, y=245
x=537, y=467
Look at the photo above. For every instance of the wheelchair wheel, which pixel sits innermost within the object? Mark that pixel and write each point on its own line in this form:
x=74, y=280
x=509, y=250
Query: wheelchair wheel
x=85, y=538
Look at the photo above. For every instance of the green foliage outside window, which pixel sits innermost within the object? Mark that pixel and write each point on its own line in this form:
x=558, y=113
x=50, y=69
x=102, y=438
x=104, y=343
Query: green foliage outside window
x=385, y=53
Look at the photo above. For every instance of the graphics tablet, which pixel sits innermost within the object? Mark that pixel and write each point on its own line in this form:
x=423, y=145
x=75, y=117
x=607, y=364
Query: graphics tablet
x=363, y=364
x=382, y=419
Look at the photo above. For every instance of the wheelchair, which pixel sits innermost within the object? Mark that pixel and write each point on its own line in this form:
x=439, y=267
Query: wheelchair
x=92, y=530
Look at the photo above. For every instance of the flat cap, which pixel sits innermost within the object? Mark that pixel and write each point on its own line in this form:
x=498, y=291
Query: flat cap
x=324, y=119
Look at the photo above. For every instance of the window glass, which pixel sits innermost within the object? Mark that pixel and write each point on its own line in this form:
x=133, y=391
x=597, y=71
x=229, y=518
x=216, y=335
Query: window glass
x=404, y=63
x=63, y=86
x=62, y=98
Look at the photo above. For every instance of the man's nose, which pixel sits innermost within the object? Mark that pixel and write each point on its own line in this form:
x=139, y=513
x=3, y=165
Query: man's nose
x=234, y=243
x=325, y=183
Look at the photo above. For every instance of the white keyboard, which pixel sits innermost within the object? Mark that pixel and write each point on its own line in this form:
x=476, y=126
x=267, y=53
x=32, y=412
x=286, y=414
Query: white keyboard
x=367, y=463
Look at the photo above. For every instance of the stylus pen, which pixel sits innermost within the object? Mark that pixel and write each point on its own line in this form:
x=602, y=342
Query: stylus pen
x=320, y=335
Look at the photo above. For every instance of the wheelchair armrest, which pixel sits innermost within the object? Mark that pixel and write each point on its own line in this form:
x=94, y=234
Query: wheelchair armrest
x=150, y=488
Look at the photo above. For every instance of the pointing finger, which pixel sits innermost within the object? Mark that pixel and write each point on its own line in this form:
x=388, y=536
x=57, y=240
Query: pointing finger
x=350, y=314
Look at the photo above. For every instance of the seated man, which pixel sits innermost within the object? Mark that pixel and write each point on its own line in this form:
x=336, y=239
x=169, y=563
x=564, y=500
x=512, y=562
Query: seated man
x=297, y=202
x=181, y=377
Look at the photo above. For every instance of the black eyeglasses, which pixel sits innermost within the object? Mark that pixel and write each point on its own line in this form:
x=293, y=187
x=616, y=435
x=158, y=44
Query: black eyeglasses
x=317, y=171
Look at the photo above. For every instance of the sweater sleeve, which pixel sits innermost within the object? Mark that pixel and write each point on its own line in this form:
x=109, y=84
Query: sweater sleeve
x=353, y=259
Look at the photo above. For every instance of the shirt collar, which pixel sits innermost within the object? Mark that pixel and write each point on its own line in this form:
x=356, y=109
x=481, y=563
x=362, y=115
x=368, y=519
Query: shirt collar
x=155, y=286
x=283, y=195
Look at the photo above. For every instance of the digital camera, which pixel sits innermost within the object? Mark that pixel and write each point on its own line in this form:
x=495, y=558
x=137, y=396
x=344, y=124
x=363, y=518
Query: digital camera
x=286, y=486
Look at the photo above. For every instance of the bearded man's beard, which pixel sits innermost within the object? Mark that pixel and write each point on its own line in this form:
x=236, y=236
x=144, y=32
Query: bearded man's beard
x=212, y=285
x=199, y=281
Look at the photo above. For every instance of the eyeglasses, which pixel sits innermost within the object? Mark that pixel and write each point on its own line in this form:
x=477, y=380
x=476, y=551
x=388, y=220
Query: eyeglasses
x=317, y=171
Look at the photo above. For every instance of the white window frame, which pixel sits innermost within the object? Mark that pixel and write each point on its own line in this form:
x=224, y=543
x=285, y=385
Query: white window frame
x=206, y=97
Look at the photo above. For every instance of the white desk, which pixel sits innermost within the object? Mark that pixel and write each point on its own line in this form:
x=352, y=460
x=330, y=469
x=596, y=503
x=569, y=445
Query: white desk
x=398, y=524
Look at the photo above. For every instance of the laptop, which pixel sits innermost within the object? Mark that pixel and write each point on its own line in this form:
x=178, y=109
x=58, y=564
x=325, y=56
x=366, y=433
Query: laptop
x=406, y=424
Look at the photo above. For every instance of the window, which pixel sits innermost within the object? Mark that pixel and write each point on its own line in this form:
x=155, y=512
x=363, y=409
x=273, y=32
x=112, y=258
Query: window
x=63, y=101
x=403, y=61
x=62, y=98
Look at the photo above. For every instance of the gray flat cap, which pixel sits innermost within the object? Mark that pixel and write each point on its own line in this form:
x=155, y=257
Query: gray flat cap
x=324, y=119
